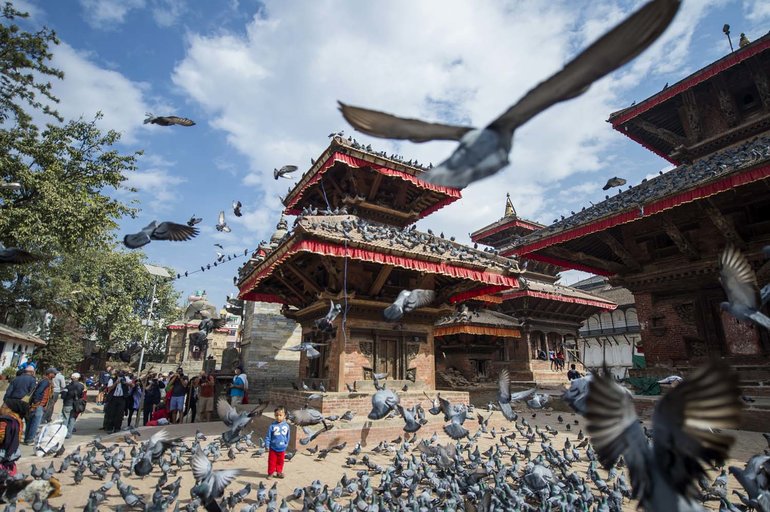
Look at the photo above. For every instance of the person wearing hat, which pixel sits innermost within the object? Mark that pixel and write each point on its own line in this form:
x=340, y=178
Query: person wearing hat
x=71, y=393
x=22, y=385
x=58, y=388
x=40, y=398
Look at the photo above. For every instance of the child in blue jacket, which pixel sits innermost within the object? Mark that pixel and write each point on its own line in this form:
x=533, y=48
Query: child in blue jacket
x=277, y=440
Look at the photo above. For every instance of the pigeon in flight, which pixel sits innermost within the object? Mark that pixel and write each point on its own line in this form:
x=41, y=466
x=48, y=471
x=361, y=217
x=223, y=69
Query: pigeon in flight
x=284, y=171
x=505, y=397
x=168, y=120
x=408, y=300
x=14, y=255
x=221, y=224
x=325, y=324
x=740, y=284
x=685, y=424
x=220, y=246
x=194, y=220
x=209, y=484
x=483, y=152
x=12, y=185
x=237, y=208
x=236, y=420
x=308, y=348
x=614, y=182
x=383, y=401
x=163, y=231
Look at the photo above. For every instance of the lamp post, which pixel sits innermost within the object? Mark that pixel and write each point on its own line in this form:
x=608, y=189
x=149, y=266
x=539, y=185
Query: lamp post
x=156, y=272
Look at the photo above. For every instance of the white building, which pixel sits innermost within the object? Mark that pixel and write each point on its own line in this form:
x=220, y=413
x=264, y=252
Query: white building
x=16, y=347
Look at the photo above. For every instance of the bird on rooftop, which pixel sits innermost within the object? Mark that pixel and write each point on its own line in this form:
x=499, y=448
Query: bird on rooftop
x=168, y=120
x=743, y=41
x=483, y=152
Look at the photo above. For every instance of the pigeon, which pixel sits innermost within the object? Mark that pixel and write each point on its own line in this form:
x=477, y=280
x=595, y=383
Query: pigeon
x=209, y=484
x=221, y=224
x=153, y=452
x=740, y=284
x=194, y=220
x=614, y=182
x=284, y=171
x=237, y=208
x=236, y=420
x=306, y=417
x=383, y=402
x=15, y=256
x=325, y=324
x=410, y=423
x=408, y=300
x=684, y=423
x=168, y=120
x=505, y=397
x=671, y=379
x=577, y=394
x=483, y=152
x=163, y=231
x=306, y=347
x=455, y=415
x=312, y=435
x=10, y=185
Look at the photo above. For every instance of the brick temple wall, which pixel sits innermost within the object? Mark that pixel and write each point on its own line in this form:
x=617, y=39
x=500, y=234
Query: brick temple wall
x=264, y=328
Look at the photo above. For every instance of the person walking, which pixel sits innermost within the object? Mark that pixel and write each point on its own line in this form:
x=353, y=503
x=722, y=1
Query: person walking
x=206, y=388
x=136, y=397
x=151, y=399
x=40, y=398
x=71, y=396
x=58, y=386
x=277, y=440
x=238, y=387
x=192, y=399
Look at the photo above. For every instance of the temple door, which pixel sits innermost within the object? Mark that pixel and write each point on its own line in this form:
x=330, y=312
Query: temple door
x=388, y=358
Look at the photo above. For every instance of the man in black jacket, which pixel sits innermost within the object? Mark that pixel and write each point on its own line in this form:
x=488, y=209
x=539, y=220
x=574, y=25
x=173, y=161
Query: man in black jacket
x=71, y=394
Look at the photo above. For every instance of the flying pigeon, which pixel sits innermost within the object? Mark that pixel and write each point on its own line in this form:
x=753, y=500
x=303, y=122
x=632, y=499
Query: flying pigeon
x=383, y=401
x=221, y=224
x=237, y=208
x=209, y=484
x=483, y=152
x=168, y=120
x=614, y=182
x=10, y=185
x=455, y=414
x=14, y=255
x=236, y=420
x=325, y=324
x=220, y=246
x=307, y=348
x=740, y=284
x=163, y=231
x=194, y=220
x=284, y=171
x=408, y=300
x=505, y=397
x=684, y=434
x=306, y=417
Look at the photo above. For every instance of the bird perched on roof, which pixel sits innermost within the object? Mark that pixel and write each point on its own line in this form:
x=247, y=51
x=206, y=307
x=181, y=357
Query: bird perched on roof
x=194, y=220
x=483, y=152
x=209, y=484
x=168, y=120
x=237, y=208
x=284, y=171
x=14, y=256
x=743, y=41
x=740, y=284
x=614, y=182
x=408, y=300
x=164, y=231
x=325, y=324
x=236, y=420
x=221, y=224
x=663, y=474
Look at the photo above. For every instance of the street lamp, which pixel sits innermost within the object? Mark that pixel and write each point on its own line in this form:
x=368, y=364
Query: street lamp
x=156, y=272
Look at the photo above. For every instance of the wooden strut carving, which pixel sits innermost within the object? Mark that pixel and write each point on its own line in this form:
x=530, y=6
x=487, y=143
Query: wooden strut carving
x=667, y=135
x=724, y=225
x=726, y=101
x=686, y=312
x=620, y=251
x=759, y=75
x=587, y=259
x=692, y=115
x=681, y=242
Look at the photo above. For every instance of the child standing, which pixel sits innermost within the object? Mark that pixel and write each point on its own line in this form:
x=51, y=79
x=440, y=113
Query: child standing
x=277, y=440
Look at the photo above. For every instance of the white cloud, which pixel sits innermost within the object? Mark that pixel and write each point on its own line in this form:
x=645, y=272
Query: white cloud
x=105, y=14
x=756, y=11
x=158, y=184
x=167, y=12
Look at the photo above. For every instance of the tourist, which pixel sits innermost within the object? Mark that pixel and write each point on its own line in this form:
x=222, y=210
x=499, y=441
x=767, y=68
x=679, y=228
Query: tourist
x=152, y=398
x=238, y=387
x=277, y=440
x=178, y=386
x=22, y=386
x=72, y=396
x=560, y=360
x=115, y=393
x=573, y=374
x=206, y=395
x=58, y=387
x=11, y=414
x=40, y=398
x=192, y=399
x=136, y=399
x=104, y=380
x=159, y=415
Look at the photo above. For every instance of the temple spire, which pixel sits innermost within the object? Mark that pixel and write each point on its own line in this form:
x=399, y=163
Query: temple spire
x=510, y=211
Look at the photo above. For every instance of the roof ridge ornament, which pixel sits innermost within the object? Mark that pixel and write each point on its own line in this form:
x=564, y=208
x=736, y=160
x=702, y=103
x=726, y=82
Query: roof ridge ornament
x=510, y=211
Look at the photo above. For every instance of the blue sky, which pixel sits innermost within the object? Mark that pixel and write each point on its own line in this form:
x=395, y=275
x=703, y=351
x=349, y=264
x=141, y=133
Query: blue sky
x=261, y=79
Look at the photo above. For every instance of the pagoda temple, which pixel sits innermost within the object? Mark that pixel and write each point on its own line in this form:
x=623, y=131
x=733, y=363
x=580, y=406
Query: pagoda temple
x=662, y=238
x=353, y=244
x=550, y=314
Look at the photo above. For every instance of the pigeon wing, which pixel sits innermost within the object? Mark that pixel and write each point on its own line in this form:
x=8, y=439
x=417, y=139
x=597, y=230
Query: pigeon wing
x=388, y=126
x=685, y=420
x=181, y=121
x=221, y=219
x=312, y=353
x=221, y=479
x=615, y=48
x=396, y=310
x=226, y=412
x=737, y=277
x=136, y=240
x=305, y=416
x=174, y=232
x=504, y=387
x=286, y=169
x=764, y=294
x=418, y=299
x=522, y=395
x=14, y=255
x=201, y=465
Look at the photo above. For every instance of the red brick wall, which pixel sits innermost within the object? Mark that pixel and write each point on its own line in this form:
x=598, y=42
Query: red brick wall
x=741, y=338
x=664, y=337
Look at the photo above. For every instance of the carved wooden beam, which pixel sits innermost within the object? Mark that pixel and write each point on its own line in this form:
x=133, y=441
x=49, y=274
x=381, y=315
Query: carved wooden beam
x=667, y=135
x=427, y=282
x=722, y=223
x=375, y=186
x=332, y=272
x=681, y=242
x=620, y=251
x=335, y=186
x=289, y=286
x=310, y=285
x=726, y=101
x=401, y=194
x=692, y=116
x=379, y=281
x=761, y=81
x=587, y=259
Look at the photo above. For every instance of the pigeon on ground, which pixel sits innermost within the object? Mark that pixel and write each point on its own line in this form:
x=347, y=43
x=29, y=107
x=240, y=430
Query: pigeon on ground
x=755, y=476
x=237, y=208
x=505, y=397
x=483, y=152
x=671, y=379
x=284, y=171
x=740, y=284
x=325, y=324
x=168, y=120
x=614, y=182
x=163, y=231
x=408, y=300
x=194, y=220
x=221, y=224
x=685, y=424
x=209, y=484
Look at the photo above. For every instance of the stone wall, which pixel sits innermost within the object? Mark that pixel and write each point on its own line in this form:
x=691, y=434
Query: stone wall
x=264, y=329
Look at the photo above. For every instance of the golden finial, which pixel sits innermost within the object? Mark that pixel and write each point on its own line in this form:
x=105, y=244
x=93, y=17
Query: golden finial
x=510, y=211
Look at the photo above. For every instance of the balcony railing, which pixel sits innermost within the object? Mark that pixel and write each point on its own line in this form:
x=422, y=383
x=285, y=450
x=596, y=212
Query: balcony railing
x=628, y=329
